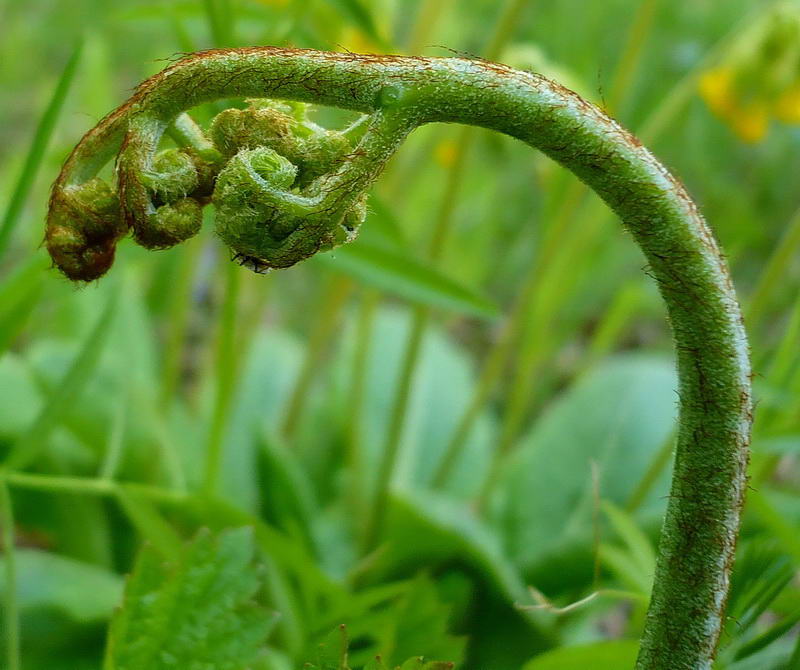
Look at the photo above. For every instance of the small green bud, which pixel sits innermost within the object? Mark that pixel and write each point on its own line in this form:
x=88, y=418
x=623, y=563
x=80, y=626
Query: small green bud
x=172, y=177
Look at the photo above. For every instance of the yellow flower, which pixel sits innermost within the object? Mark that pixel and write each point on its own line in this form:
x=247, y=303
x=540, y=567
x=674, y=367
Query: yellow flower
x=355, y=40
x=787, y=106
x=748, y=119
x=759, y=80
x=445, y=153
x=715, y=87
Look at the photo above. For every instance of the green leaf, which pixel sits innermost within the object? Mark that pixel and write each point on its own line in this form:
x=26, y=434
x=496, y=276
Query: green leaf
x=421, y=626
x=268, y=374
x=83, y=592
x=65, y=393
x=636, y=565
x=149, y=522
x=443, y=387
x=19, y=295
x=782, y=444
x=194, y=613
x=768, y=636
x=616, y=417
x=399, y=273
x=425, y=528
x=610, y=655
x=410, y=621
x=332, y=651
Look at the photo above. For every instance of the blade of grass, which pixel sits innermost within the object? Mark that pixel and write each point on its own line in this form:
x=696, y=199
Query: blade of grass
x=361, y=16
x=556, y=241
x=775, y=271
x=628, y=66
x=428, y=16
x=149, y=522
x=89, y=486
x=14, y=320
x=180, y=305
x=226, y=372
x=559, y=251
x=661, y=460
x=116, y=440
x=618, y=315
x=325, y=325
x=775, y=522
x=41, y=139
x=20, y=293
x=503, y=31
x=768, y=637
x=794, y=661
x=220, y=16
x=355, y=405
x=28, y=447
x=10, y=606
x=395, y=273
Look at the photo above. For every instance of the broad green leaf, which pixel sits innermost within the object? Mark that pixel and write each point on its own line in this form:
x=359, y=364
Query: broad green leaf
x=194, y=613
x=610, y=655
x=783, y=444
x=443, y=387
x=83, y=592
x=431, y=531
x=332, y=651
x=268, y=373
x=20, y=400
x=615, y=417
x=396, y=271
x=425, y=528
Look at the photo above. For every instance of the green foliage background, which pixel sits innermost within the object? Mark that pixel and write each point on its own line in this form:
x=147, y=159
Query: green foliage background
x=182, y=392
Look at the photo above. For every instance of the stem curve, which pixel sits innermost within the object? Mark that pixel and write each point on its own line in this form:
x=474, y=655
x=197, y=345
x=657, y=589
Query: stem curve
x=701, y=525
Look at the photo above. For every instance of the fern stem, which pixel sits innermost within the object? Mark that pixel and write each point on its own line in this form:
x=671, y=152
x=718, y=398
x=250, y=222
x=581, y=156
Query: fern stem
x=699, y=535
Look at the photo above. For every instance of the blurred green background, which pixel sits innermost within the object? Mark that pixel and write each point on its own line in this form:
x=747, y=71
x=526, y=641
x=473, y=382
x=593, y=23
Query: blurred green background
x=475, y=397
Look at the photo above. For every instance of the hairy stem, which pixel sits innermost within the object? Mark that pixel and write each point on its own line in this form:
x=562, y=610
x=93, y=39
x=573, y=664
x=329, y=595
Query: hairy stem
x=702, y=520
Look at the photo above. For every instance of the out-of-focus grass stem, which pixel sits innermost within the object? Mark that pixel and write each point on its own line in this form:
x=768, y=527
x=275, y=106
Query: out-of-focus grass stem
x=327, y=319
x=41, y=139
x=10, y=604
x=503, y=31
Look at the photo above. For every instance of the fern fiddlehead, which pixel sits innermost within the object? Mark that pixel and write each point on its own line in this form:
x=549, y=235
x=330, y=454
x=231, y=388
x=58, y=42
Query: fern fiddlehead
x=285, y=188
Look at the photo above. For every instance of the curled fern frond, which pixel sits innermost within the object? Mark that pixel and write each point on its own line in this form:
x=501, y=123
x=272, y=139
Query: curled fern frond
x=280, y=223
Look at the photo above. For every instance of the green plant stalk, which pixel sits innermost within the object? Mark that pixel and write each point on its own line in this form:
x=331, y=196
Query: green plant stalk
x=419, y=323
x=10, y=604
x=553, y=264
x=772, y=276
x=502, y=32
x=226, y=369
x=629, y=60
x=355, y=405
x=701, y=525
x=41, y=138
x=327, y=320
